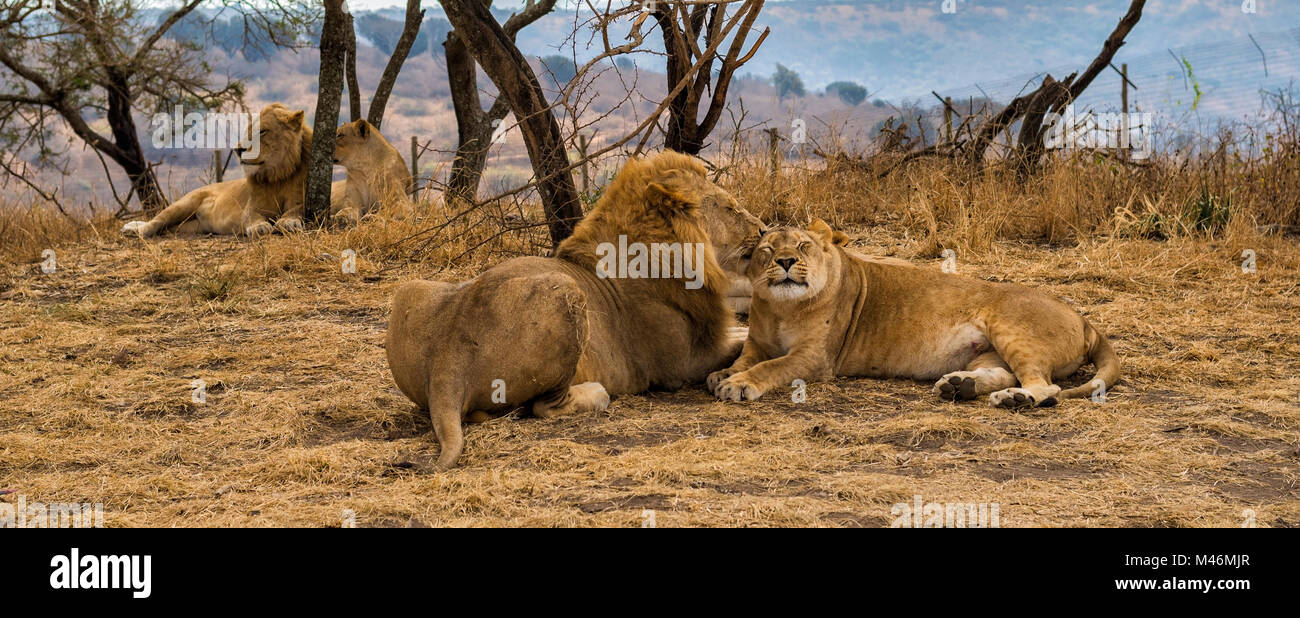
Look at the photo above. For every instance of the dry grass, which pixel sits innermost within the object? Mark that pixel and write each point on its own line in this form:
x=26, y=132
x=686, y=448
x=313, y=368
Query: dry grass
x=302, y=420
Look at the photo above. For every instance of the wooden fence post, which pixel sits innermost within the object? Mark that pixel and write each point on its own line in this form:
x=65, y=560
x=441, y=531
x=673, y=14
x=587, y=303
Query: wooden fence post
x=773, y=149
x=1124, y=136
x=218, y=170
x=415, y=163
x=947, y=119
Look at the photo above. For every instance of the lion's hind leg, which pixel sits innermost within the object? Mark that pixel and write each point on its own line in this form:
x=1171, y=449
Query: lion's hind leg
x=192, y=226
x=585, y=397
x=1030, y=359
x=1040, y=339
x=984, y=375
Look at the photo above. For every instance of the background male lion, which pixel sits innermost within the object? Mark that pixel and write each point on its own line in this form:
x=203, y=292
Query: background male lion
x=272, y=187
x=820, y=311
x=552, y=333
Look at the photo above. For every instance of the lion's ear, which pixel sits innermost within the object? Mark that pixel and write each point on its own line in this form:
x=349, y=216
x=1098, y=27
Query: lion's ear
x=823, y=232
x=840, y=238
x=297, y=117
x=672, y=193
x=363, y=128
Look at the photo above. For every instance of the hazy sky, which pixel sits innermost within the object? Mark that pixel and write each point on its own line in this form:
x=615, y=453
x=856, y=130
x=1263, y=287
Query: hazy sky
x=906, y=48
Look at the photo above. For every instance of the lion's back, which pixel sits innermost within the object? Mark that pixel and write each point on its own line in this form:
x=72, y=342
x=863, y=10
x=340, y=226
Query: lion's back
x=524, y=308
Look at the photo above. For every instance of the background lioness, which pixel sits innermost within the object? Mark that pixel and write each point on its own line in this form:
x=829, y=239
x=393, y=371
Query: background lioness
x=819, y=310
x=377, y=174
x=554, y=334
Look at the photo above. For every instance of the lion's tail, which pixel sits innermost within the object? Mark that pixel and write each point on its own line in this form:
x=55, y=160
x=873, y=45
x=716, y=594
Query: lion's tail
x=446, y=413
x=1107, y=362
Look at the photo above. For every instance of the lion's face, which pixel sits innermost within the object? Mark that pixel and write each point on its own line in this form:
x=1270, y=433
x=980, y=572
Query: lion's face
x=790, y=264
x=352, y=144
x=733, y=232
x=275, y=152
x=668, y=198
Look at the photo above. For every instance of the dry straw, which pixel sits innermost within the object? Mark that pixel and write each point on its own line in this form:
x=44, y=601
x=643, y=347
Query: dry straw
x=302, y=420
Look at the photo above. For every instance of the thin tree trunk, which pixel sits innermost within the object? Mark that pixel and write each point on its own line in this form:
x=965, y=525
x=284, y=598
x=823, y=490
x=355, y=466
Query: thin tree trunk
x=354, y=90
x=496, y=53
x=475, y=142
x=682, y=134
x=681, y=27
x=414, y=17
x=471, y=147
x=320, y=167
x=1032, y=129
x=474, y=127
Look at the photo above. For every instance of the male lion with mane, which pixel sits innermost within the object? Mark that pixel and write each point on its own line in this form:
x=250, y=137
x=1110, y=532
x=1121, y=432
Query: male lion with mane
x=819, y=311
x=554, y=334
x=271, y=189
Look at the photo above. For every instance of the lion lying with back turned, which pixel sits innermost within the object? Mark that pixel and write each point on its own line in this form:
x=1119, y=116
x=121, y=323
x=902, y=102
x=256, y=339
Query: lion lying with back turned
x=560, y=335
x=819, y=311
x=271, y=194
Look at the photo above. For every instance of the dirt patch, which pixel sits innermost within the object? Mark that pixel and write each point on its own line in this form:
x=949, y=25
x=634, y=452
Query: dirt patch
x=1041, y=470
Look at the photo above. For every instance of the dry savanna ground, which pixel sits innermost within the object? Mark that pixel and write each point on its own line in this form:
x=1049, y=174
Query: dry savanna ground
x=302, y=420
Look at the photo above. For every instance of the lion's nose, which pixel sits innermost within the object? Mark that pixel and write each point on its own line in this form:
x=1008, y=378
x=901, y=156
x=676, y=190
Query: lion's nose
x=786, y=263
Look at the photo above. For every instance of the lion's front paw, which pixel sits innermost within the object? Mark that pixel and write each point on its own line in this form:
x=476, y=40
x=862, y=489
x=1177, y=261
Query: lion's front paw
x=137, y=228
x=258, y=229
x=717, y=377
x=737, y=388
x=289, y=224
x=347, y=217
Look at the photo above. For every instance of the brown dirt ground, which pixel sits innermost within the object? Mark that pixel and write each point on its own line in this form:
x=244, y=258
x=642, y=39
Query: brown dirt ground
x=303, y=421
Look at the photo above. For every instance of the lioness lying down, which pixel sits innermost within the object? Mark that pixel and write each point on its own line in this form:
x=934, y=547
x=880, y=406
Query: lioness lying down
x=820, y=311
x=563, y=334
x=377, y=174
